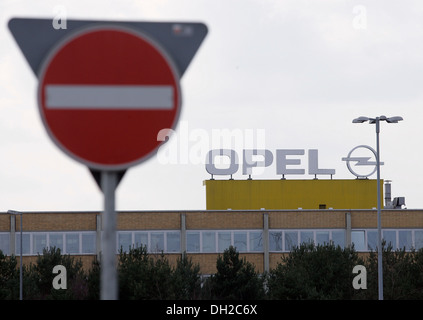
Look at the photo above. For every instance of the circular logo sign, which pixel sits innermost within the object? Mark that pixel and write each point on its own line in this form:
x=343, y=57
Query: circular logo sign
x=362, y=161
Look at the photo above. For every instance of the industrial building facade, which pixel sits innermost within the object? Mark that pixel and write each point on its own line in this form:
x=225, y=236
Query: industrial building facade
x=263, y=219
x=262, y=236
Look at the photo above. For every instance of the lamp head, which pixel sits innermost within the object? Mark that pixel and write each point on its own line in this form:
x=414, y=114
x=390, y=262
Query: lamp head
x=381, y=118
x=14, y=212
x=394, y=119
x=360, y=119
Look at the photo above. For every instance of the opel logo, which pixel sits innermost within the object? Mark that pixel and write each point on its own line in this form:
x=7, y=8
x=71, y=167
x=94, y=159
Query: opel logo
x=362, y=161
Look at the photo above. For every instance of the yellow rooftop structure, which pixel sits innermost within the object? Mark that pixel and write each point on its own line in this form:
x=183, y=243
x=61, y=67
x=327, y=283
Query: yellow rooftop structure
x=291, y=194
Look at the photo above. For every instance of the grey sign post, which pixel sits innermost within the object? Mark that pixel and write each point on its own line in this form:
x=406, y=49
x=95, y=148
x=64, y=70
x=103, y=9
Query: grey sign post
x=109, y=281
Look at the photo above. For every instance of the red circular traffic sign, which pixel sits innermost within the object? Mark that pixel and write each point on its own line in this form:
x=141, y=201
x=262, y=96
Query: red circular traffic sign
x=104, y=94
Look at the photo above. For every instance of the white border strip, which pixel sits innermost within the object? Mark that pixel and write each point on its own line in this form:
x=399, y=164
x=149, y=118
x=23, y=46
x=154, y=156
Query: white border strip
x=109, y=97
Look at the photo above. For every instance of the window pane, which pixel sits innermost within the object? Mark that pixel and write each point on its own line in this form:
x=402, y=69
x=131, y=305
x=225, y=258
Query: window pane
x=193, y=241
x=357, y=238
x=240, y=241
x=72, y=242
x=88, y=243
x=157, y=242
x=25, y=243
x=223, y=240
x=390, y=237
x=124, y=241
x=56, y=240
x=173, y=241
x=306, y=237
x=338, y=238
x=256, y=241
x=405, y=240
x=39, y=242
x=291, y=240
x=372, y=240
x=322, y=237
x=209, y=241
x=275, y=241
x=141, y=239
x=5, y=243
x=418, y=239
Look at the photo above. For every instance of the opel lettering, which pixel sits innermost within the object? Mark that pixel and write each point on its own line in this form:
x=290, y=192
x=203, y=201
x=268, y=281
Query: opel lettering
x=287, y=161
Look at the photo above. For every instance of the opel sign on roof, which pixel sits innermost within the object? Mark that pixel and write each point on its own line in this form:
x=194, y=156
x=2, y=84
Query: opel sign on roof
x=288, y=162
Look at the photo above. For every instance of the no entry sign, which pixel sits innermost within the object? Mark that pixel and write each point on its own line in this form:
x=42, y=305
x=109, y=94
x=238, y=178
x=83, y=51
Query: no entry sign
x=105, y=92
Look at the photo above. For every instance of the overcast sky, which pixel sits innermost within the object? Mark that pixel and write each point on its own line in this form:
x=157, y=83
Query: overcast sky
x=277, y=74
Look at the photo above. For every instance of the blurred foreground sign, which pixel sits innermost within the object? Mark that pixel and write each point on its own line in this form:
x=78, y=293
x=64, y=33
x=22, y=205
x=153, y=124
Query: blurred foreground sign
x=107, y=88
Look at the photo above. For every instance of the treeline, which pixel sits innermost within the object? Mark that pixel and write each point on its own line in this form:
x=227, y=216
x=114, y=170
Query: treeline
x=307, y=272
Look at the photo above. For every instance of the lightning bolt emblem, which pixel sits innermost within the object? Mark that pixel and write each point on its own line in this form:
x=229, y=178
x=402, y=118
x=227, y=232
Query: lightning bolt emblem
x=361, y=161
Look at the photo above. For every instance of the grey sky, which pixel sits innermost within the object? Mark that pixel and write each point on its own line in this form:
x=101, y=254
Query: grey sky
x=299, y=71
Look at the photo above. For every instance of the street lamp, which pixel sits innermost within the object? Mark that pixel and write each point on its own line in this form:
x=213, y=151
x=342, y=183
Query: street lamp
x=379, y=222
x=17, y=213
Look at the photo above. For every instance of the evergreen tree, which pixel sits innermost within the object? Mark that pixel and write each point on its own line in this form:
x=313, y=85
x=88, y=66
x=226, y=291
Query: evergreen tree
x=402, y=274
x=93, y=281
x=235, y=278
x=142, y=276
x=186, y=279
x=38, y=278
x=9, y=277
x=314, y=272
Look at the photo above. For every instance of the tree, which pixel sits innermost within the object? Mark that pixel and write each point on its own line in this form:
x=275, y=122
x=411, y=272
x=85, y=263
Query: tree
x=9, y=277
x=38, y=278
x=142, y=276
x=93, y=281
x=235, y=278
x=402, y=274
x=146, y=277
x=186, y=279
x=314, y=272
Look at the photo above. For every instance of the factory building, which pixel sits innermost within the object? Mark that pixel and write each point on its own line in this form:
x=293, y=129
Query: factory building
x=263, y=219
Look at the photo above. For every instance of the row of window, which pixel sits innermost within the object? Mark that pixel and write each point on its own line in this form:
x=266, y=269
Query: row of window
x=217, y=241
x=209, y=241
x=366, y=240
x=33, y=243
x=363, y=240
x=155, y=241
x=285, y=240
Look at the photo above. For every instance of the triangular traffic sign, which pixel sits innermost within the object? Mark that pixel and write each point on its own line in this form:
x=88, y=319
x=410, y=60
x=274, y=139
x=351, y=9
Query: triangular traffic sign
x=36, y=37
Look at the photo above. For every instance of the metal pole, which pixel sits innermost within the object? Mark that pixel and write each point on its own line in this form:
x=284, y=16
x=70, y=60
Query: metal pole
x=109, y=287
x=18, y=213
x=20, y=270
x=379, y=220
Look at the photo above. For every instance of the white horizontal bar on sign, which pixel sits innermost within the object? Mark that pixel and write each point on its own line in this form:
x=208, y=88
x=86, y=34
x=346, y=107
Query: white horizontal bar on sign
x=109, y=97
